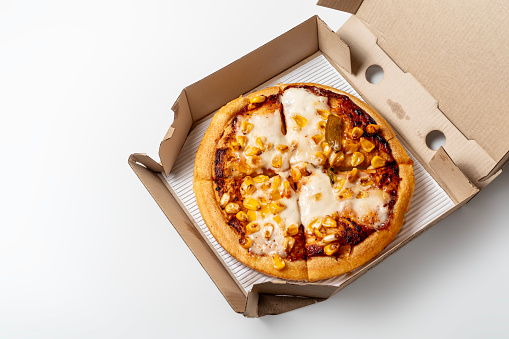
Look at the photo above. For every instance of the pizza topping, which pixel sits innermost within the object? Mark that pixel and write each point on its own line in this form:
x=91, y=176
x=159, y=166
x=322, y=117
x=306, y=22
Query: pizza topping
x=372, y=128
x=257, y=99
x=245, y=242
x=331, y=249
x=357, y=158
x=357, y=132
x=224, y=199
x=304, y=145
x=288, y=243
x=241, y=216
x=246, y=127
x=293, y=229
x=232, y=208
x=279, y=263
x=378, y=162
x=330, y=238
x=300, y=121
x=333, y=132
x=252, y=227
x=251, y=204
x=367, y=145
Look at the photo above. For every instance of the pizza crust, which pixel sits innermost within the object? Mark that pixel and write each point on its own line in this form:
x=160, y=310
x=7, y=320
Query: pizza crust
x=314, y=268
x=326, y=267
x=229, y=240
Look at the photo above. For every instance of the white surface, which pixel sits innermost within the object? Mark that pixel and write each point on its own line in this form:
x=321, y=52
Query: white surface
x=86, y=253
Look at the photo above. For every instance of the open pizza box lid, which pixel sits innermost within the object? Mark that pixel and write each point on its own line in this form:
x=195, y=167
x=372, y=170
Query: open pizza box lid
x=458, y=52
x=410, y=97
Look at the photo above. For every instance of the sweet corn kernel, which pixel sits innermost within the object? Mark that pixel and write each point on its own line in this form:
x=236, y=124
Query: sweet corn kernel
x=224, y=200
x=264, y=210
x=318, y=233
x=236, y=146
x=251, y=215
x=286, y=184
x=352, y=175
x=323, y=113
x=257, y=99
x=252, y=227
x=247, y=187
x=242, y=140
x=371, y=128
x=357, y=132
x=277, y=161
x=261, y=178
x=350, y=146
x=251, y=204
x=292, y=229
x=317, y=138
x=282, y=148
x=367, y=145
x=321, y=126
x=346, y=193
x=232, y=208
x=294, y=144
x=269, y=146
x=277, y=219
x=330, y=249
x=377, y=162
x=320, y=157
x=330, y=238
x=296, y=175
x=329, y=222
x=245, y=242
x=275, y=195
x=276, y=182
x=362, y=195
x=252, y=150
x=241, y=216
x=267, y=231
x=260, y=142
x=336, y=158
x=246, y=127
x=339, y=184
x=254, y=161
x=367, y=183
x=357, y=158
x=300, y=120
x=243, y=168
x=326, y=149
x=279, y=263
x=276, y=207
x=288, y=244
x=316, y=222
x=265, y=186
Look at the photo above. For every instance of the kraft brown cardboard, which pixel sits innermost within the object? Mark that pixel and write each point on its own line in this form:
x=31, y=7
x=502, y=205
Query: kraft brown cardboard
x=313, y=35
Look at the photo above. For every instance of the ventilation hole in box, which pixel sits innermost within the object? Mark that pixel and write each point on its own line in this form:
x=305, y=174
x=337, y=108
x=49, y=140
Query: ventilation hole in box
x=374, y=74
x=435, y=139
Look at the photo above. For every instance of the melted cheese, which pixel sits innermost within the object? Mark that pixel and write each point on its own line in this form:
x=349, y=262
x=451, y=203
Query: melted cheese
x=268, y=126
x=317, y=198
x=300, y=102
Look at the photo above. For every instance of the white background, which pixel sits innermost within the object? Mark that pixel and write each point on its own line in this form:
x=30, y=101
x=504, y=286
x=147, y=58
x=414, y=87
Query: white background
x=86, y=253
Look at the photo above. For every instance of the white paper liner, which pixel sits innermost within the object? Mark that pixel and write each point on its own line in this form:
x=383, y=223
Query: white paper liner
x=429, y=201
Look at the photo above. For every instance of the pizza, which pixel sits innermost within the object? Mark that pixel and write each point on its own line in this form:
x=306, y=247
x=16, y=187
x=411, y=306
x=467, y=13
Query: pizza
x=302, y=181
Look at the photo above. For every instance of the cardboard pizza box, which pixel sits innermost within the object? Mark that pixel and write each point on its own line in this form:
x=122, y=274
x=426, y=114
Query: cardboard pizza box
x=424, y=88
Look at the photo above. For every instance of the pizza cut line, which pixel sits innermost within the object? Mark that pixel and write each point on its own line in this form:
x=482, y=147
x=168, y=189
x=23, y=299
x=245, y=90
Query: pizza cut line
x=302, y=181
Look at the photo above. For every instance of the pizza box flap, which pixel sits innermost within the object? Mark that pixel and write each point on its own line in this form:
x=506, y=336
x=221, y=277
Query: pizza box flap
x=458, y=52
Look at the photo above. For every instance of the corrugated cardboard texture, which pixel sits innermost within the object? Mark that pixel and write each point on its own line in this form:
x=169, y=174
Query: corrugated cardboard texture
x=457, y=50
x=408, y=107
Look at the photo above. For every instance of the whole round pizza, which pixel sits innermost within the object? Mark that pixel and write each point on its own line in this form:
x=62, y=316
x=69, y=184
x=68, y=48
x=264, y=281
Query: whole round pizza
x=302, y=181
